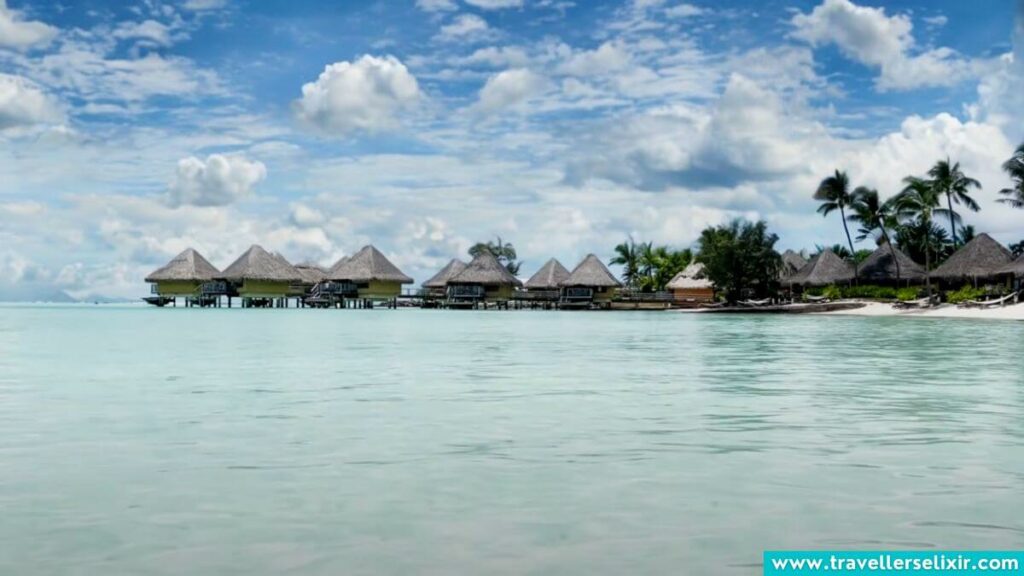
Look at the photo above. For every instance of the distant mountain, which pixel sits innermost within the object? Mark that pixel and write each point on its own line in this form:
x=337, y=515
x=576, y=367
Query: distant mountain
x=29, y=293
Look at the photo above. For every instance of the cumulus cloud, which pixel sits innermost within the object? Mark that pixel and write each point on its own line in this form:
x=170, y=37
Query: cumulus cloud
x=200, y=5
x=362, y=96
x=464, y=26
x=871, y=37
x=684, y=11
x=608, y=57
x=148, y=31
x=217, y=181
x=22, y=34
x=23, y=104
x=509, y=89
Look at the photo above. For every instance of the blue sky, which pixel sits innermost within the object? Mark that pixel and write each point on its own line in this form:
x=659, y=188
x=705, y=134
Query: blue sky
x=132, y=130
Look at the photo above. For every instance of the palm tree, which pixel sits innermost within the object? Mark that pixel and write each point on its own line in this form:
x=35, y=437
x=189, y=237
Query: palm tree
x=920, y=200
x=1015, y=168
x=834, y=194
x=948, y=179
x=505, y=252
x=627, y=255
x=873, y=216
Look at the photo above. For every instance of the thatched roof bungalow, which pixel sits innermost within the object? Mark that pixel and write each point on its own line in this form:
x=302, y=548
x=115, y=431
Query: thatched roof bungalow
x=691, y=287
x=183, y=275
x=260, y=274
x=979, y=259
x=439, y=282
x=589, y=281
x=880, y=266
x=549, y=277
x=311, y=273
x=483, y=279
x=792, y=262
x=372, y=274
x=1015, y=268
x=822, y=270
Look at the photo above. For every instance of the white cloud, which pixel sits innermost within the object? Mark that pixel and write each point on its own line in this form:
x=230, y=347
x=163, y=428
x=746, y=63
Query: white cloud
x=463, y=27
x=436, y=5
x=494, y=4
x=871, y=37
x=148, y=30
x=608, y=57
x=509, y=89
x=217, y=181
x=938, y=20
x=200, y=5
x=684, y=11
x=24, y=104
x=22, y=34
x=365, y=95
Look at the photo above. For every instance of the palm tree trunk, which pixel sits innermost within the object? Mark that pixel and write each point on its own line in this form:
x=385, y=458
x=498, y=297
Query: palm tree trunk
x=928, y=260
x=892, y=251
x=952, y=224
x=849, y=241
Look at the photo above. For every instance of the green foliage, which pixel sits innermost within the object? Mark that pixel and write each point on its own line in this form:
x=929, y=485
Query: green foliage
x=1018, y=248
x=968, y=292
x=1014, y=167
x=834, y=193
x=832, y=292
x=861, y=255
x=740, y=259
x=505, y=252
x=647, y=267
x=866, y=292
x=908, y=294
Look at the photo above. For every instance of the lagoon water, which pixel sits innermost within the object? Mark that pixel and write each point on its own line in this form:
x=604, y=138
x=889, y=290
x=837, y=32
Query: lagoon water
x=147, y=441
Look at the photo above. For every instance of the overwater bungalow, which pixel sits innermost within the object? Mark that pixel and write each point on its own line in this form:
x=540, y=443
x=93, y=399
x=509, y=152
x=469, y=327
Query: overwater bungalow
x=690, y=287
x=880, y=267
x=261, y=279
x=589, y=284
x=981, y=259
x=483, y=281
x=823, y=270
x=183, y=277
x=548, y=278
x=436, y=286
x=368, y=276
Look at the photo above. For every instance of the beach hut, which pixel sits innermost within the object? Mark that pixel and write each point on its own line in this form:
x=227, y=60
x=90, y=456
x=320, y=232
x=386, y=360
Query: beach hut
x=548, y=278
x=184, y=276
x=880, y=266
x=589, y=283
x=438, y=283
x=312, y=273
x=483, y=280
x=792, y=262
x=370, y=275
x=690, y=287
x=822, y=270
x=1015, y=270
x=982, y=258
x=261, y=278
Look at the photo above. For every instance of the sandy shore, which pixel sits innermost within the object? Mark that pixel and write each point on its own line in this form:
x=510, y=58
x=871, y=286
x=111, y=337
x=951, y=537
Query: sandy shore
x=1014, y=312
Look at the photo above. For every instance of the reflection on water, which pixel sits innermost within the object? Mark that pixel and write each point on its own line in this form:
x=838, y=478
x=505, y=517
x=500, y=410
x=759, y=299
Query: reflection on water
x=392, y=442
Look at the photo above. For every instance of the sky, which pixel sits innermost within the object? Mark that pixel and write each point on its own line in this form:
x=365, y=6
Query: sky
x=131, y=130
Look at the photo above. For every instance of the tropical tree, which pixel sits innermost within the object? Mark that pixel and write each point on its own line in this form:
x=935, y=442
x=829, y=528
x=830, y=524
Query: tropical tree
x=967, y=233
x=949, y=180
x=505, y=252
x=837, y=249
x=1015, y=168
x=834, y=194
x=740, y=256
x=660, y=264
x=874, y=216
x=1017, y=249
x=920, y=200
x=627, y=255
x=912, y=236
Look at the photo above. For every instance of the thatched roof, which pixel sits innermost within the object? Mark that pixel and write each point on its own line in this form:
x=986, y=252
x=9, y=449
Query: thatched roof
x=189, y=265
x=258, y=264
x=824, y=269
x=485, y=269
x=549, y=277
x=1016, y=267
x=311, y=272
x=337, y=265
x=692, y=277
x=792, y=262
x=979, y=258
x=440, y=280
x=593, y=273
x=880, y=265
x=368, y=265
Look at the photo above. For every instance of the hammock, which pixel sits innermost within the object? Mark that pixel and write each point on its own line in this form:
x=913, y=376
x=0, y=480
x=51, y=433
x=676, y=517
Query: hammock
x=988, y=303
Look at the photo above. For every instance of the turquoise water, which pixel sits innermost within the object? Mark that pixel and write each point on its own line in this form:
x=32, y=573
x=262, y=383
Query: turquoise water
x=146, y=441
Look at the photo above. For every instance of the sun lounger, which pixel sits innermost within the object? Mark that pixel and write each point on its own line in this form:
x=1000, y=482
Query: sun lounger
x=988, y=303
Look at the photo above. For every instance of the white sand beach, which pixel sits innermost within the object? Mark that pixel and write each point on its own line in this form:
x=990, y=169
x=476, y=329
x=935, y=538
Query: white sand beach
x=1014, y=312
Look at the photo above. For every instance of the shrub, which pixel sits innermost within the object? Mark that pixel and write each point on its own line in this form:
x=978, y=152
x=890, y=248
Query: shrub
x=907, y=294
x=966, y=293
